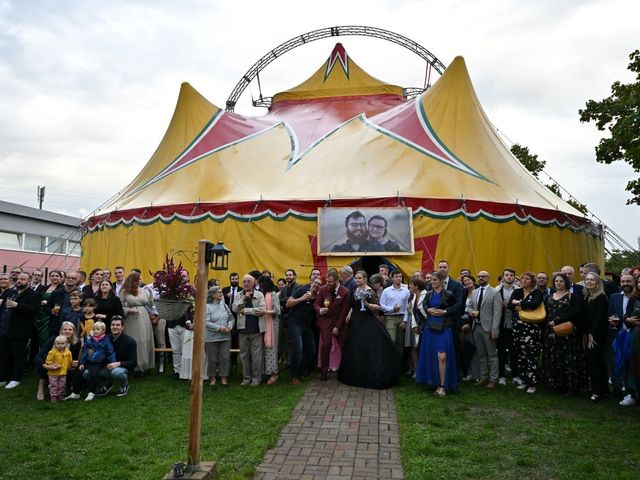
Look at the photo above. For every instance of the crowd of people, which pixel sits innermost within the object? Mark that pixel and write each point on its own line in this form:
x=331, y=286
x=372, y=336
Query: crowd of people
x=573, y=337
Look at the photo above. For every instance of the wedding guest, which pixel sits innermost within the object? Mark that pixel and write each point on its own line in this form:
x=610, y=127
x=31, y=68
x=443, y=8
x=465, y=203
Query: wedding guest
x=18, y=308
x=68, y=331
x=108, y=304
x=57, y=364
x=414, y=319
x=596, y=318
x=526, y=335
x=137, y=322
x=250, y=306
x=562, y=355
x=219, y=323
x=92, y=289
x=437, y=359
x=272, y=328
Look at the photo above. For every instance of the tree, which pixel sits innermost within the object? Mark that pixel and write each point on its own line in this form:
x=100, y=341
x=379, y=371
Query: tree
x=620, y=115
x=619, y=259
x=529, y=160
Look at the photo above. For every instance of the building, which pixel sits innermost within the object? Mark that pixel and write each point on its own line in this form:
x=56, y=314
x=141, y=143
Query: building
x=38, y=239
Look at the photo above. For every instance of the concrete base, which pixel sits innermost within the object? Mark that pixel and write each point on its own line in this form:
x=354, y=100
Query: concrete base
x=206, y=471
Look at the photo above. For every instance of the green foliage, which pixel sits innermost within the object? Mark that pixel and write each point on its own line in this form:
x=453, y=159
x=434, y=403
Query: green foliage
x=508, y=434
x=529, y=160
x=555, y=188
x=619, y=259
x=581, y=207
x=620, y=115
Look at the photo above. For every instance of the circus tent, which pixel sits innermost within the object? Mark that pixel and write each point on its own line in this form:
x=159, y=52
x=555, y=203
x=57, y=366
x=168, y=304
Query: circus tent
x=340, y=138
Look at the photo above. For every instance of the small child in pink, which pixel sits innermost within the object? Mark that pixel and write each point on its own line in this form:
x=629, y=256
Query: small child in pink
x=58, y=362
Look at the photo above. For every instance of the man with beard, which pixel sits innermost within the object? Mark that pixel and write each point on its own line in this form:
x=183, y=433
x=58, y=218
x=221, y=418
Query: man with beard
x=302, y=316
x=620, y=308
x=231, y=291
x=331, y=306
x=18, y=308
x=59, y=300
x=357, y=237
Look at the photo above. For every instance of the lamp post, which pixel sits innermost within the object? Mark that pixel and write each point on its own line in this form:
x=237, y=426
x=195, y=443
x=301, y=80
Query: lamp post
x=217, y=257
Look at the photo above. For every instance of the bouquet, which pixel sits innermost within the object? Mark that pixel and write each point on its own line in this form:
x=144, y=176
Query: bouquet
x=170, y=284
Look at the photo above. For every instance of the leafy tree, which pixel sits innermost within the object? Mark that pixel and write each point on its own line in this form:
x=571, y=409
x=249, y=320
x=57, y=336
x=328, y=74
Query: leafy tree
x=619, y=259
x=529, y=160
x=620, y=115
x=581, y=207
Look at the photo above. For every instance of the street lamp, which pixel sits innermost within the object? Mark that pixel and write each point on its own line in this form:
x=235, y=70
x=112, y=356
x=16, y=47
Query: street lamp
x=217, y=258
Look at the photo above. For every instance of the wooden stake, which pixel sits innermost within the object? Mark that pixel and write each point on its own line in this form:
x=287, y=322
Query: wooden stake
x=195, y=410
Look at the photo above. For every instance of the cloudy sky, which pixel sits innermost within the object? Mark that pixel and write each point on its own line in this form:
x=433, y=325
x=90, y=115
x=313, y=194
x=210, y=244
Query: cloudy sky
x=88, y=87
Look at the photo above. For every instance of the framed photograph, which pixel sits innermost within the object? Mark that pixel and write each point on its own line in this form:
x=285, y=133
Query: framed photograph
x=365, y=231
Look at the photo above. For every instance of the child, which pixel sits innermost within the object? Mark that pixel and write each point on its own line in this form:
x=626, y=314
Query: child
x=86, y=324
x=97, y=352
x=73, y=313
x=57, y=363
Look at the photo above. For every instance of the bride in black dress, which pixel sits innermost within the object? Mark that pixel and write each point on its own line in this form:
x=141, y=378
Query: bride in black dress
x=369, y=358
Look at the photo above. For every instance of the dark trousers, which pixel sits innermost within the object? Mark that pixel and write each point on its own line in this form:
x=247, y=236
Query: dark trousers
x=506, y=353
x=13, y=357
x=597, y=368
x=303, y=348
x=610, y=357
x=91, y=371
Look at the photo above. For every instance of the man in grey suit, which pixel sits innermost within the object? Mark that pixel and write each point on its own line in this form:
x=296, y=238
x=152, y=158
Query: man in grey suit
x=486, y=305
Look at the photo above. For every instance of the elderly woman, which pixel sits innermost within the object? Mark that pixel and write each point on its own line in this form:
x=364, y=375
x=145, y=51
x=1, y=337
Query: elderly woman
x=437, y=358
x=526, y=335
x=219, y=323
x=595, y=315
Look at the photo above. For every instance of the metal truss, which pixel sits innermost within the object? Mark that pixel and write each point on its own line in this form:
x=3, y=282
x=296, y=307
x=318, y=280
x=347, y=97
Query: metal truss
x=350, y=30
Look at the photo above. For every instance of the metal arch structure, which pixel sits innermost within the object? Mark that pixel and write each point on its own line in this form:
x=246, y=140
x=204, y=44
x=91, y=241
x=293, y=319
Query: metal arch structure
x=350, y=30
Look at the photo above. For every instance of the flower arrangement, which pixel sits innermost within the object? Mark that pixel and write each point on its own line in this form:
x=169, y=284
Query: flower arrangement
x=170, y=283
x=363, y=294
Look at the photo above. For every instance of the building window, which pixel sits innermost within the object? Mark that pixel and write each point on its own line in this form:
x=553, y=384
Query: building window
x=10, y=240
x=35, y=243
x=73, y=248
x=56, y=245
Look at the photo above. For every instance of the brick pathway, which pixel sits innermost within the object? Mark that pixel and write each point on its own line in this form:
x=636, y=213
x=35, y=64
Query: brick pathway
x=337, y=432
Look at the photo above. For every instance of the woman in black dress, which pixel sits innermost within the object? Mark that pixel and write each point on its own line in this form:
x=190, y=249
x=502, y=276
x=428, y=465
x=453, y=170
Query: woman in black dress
x=369, y=358
x=563, y=358
x=108, y=304
x=595, y=315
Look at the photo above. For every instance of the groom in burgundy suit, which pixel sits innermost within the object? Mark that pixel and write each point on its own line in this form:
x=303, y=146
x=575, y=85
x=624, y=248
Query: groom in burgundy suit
x=331, y=306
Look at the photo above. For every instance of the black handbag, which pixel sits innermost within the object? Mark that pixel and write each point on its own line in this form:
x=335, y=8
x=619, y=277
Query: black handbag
x=435, y=326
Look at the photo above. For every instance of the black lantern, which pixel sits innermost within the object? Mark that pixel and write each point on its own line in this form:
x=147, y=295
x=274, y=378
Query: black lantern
x=178, y=470
x=217, y=256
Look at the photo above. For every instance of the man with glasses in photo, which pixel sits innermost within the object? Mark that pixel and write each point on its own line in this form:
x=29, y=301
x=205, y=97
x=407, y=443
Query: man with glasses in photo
x=357, y=236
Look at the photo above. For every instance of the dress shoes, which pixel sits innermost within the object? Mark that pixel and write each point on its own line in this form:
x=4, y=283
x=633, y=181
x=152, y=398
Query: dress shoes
x=481, y=382
x=491, y=385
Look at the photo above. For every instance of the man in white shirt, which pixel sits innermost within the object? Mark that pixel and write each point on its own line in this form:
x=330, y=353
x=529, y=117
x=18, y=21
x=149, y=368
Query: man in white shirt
x=393, y=304
x=117, y=285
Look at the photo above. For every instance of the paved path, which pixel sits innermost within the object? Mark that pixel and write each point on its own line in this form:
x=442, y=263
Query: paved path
x=337, y=432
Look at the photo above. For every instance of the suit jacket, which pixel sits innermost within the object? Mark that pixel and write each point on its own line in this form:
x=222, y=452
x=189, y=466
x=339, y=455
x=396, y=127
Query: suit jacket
x=456, y=310
x=615, y=306
x=227, y=298
x=39, y=289
x=339, y=305
x=257, y=301
x=490, y=310
x=22, y=317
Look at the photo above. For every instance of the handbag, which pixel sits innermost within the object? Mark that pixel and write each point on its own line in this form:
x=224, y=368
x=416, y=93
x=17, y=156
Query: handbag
x=536, y=315
x=563, y=329
x=435, y=326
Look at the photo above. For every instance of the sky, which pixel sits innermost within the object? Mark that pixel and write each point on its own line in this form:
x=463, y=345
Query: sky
x=88, y=87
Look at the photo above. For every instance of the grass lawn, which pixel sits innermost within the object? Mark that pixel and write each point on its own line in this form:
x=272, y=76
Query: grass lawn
x=141, y=435
x=511, y=434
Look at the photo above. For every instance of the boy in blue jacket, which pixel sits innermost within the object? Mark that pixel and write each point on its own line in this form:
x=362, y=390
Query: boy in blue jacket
x=97, y=352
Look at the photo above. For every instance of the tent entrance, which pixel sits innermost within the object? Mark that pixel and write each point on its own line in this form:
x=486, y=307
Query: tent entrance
x=371, y=264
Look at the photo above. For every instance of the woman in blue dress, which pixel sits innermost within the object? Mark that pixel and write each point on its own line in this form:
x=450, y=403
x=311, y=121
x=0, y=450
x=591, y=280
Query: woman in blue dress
x=437, y=359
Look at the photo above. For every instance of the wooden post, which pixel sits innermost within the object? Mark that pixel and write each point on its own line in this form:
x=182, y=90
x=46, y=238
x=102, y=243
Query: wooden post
x=195, y=409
